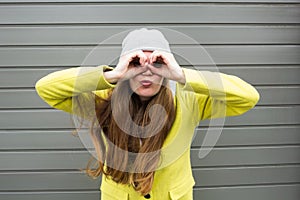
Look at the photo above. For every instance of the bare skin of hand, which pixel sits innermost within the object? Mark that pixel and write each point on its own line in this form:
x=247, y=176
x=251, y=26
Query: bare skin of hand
x=125, y=69
x=160, y=63
x=169, y=68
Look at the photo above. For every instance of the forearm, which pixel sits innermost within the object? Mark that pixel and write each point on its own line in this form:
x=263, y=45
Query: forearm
x=111, y=76
x=220, y=89
x=181, y=77
x=58, y=88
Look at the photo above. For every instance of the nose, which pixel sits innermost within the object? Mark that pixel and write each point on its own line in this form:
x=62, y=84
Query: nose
x=147, y=73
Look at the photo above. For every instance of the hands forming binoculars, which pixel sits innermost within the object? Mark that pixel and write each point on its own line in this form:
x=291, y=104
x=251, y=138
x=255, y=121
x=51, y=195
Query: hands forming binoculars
x=158, y=62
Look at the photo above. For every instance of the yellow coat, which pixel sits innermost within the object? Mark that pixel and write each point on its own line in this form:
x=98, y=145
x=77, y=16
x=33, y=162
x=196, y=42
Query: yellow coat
x=206, y=95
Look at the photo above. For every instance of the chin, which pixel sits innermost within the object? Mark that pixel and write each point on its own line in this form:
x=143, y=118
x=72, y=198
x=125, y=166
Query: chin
x=146, y=95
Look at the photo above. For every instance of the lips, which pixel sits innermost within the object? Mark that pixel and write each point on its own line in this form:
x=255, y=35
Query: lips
x=146, y=83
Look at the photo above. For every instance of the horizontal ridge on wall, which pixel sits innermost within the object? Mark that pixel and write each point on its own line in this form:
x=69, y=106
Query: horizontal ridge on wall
x=274, y=192
x=66, y=139
x=23, y=77
x=269, y=96
x=76, y=160
x=211, y=177
x=40, y=118
x=150, y=1
x=202, y=34
x=189, y=13
x=185, y=54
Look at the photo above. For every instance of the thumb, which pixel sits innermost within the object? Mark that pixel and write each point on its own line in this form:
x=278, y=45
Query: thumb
x=161, y=71
x=132, y=72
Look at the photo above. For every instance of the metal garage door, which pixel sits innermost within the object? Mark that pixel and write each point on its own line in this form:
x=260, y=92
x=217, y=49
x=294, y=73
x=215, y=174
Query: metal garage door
x=257, y=155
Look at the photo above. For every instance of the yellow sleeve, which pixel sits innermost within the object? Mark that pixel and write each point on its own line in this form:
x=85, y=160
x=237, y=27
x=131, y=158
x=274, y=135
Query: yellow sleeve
x=213, y=95
x=62, y=89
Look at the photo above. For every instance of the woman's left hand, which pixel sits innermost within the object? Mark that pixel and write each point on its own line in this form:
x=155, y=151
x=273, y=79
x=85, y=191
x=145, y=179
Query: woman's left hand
x=165, y=65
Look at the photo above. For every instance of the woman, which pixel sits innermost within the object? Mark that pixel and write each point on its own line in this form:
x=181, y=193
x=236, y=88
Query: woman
x=142, y=131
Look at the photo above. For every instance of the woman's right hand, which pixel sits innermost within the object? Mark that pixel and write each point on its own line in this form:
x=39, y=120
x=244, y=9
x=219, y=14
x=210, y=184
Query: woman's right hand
x=127, y=68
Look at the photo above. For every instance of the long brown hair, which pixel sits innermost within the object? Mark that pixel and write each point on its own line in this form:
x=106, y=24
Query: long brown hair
x=130, y=157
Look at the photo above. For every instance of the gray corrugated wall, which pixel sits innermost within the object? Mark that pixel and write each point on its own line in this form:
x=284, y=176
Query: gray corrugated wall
x=257, y=155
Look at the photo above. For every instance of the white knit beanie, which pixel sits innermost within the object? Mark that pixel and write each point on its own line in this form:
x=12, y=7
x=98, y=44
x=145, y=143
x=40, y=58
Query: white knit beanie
x=144, y=39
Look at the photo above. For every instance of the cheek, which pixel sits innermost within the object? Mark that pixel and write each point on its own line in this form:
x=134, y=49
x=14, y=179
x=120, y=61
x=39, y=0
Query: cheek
x=133, y=83
x=159, y=80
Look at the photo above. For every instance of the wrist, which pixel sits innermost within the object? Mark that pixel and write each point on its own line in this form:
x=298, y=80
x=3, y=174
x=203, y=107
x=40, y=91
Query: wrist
x=181, y=77
x=111, y=76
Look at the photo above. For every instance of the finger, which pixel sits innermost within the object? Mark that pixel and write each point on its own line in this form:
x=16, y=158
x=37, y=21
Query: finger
x=156, y=70
x=139, y=70
x=153, y=56
x=143, y=57
x=136, y=71
x=163, y=71
x=132, y=55
x=160, y=57
x=138, y=57
x=132, y=72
